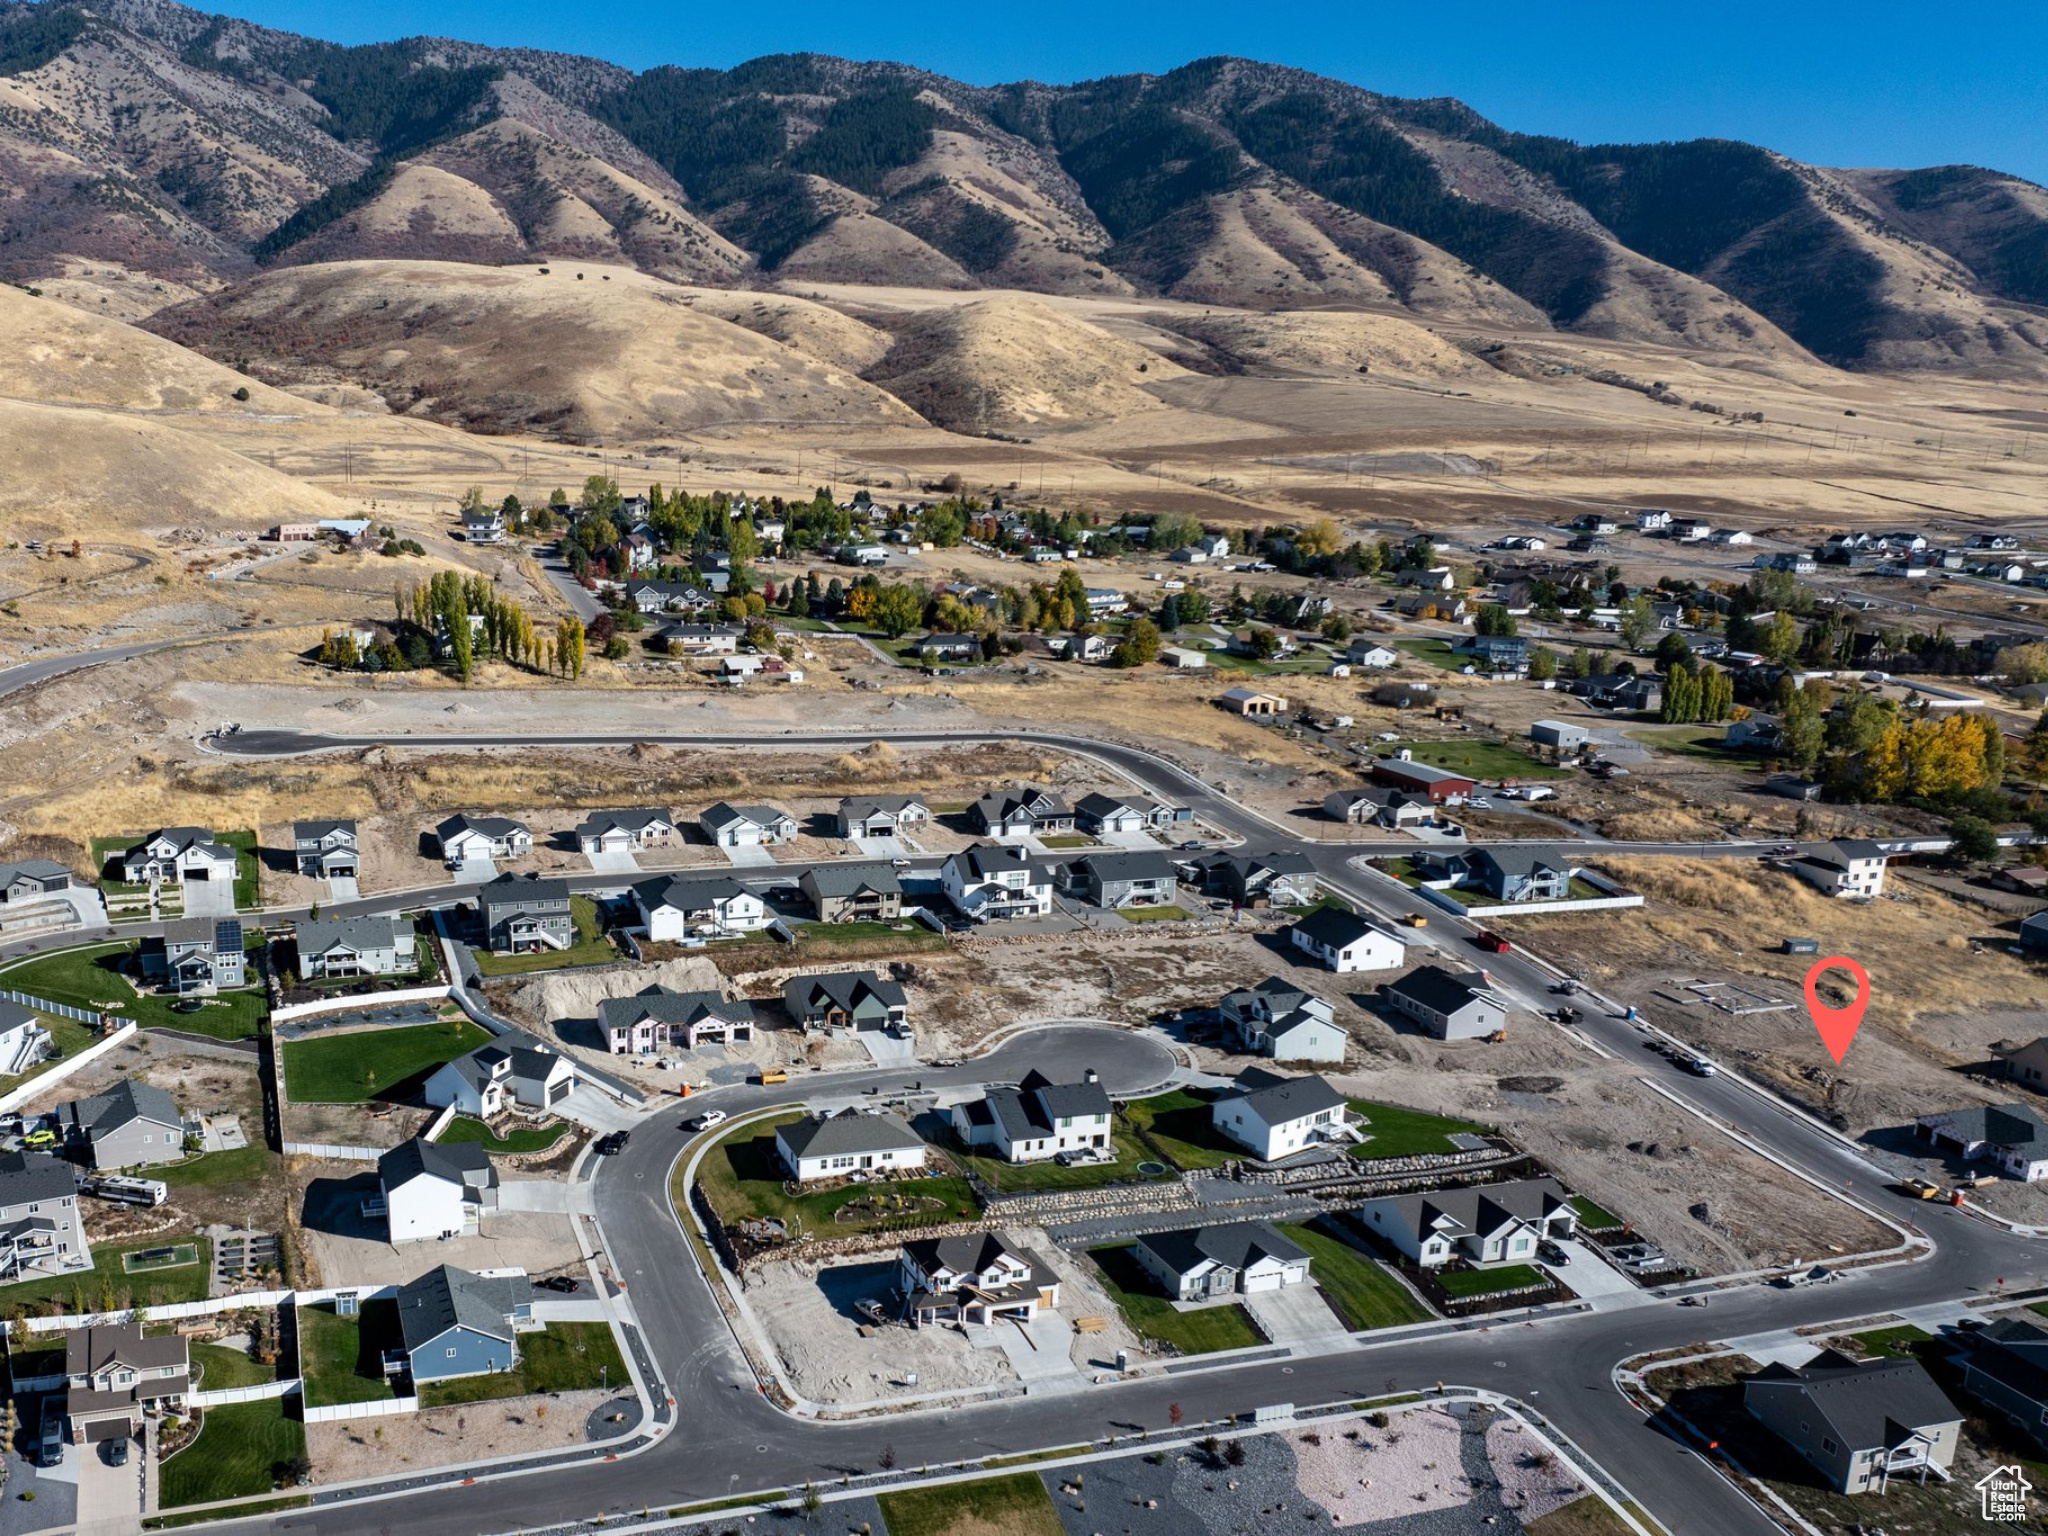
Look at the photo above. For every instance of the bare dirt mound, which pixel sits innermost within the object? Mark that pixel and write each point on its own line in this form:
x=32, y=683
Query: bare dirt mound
x=72, y=472
x=1006, y=362
x=59, y=353
x=575, y=350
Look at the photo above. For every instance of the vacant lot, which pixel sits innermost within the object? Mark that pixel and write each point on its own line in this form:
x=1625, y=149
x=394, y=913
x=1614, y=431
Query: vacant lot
x=1017, y=1505
x=385, y=1064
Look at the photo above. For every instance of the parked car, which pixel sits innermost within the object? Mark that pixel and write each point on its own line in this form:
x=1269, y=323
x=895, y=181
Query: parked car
x=566, y=1284
x=117, y=1451
x=1480, y=803
x=1699, y=1066
x=1785, y=850
x=1553, y=1253
x=613, y=1144
x=708, y=1119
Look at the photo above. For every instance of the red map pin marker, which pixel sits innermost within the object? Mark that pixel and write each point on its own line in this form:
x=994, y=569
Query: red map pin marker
x=1837, y=1026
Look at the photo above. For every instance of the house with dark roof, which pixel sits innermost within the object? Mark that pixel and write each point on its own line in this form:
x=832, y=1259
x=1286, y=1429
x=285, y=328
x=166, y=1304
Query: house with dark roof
x=1274, y=1117
x=1256, y=878
x=658, y=1019
x=468, y=839
x=132, y=1125
x=41, y=1230
x=455, y=1323
x=332, y=948
x=1849, y=866
x=746, y=826
x=1379, y=805
x=29, y=880
x=196, y=956
x=326, y=850
x=174, y=855
x=2005, y=1366
x=1276, y=1018
x=1520, y=872
x=1341, y=940
x=1100, y=813
x=977, y=1277
x=515, y=1069
x=1485, y=1224
x=1038, y=1119
x=987, y=882
x=116, y=1376
x=1198, y=1263
x=525, y=914
x=436, y=1189
x=880, y=815
x=1860, y=1423
x=849, y=1000
x=839, y=1146
x=1019, y=813
x=1452, y=1005
x=672, y=908
x=2014, y=1137
x=853, y=893
x=2024, y=1061
x=1140, y=878
x=626, y=831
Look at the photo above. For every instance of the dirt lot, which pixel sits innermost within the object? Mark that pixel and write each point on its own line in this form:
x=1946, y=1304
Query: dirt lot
x=364, y=1448
x=808, y=1315
x=341, y=1247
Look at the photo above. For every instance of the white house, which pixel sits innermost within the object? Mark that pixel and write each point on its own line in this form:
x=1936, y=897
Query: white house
x=747, y=826
x=987, y=882
x=1370, y=653
x=841, y=1145
x=1038, y=1119
x=494, y=1077
x=708, y=906
x=464, y=838
x=977, y=1277
x=174, y=855
x=1850, y=866
x=625, y=831
x=1195, y=1263
x=1343, y=941
x=435, y=1189
x=2013, y=1136
x=1273, y=1117
x=1487, y=1224
x=1283, y=1021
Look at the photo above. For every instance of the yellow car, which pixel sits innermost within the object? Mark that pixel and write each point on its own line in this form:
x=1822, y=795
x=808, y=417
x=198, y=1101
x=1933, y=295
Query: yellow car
x=44, y=1138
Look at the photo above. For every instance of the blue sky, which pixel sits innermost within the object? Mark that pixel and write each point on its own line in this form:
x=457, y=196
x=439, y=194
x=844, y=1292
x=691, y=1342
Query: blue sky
x=1879, y=83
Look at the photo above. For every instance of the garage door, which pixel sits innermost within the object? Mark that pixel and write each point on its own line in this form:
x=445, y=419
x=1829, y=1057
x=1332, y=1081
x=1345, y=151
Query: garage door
x=561, y=1091
x=1266, y=1282
x=199, y=872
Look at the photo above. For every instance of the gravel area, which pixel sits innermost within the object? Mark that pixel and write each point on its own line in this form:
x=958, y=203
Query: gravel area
x=358, y=1448
x=1532, y=1482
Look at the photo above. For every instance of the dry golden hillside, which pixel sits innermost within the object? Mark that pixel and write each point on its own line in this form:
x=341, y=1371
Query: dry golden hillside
x=815, y=330
x=62, y=354
x=1010, y=362
x=75, y=472
x=575, y=350
x=1321, y=341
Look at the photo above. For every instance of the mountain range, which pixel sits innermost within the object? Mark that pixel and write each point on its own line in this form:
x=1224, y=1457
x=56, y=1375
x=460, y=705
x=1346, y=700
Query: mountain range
x=184, y=154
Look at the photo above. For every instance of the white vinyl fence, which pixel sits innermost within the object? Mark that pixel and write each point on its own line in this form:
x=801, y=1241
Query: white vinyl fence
x=64, y=1068
x=255, y=1394
x=377, y=1410
x=356, y=1002
x=169, y=1312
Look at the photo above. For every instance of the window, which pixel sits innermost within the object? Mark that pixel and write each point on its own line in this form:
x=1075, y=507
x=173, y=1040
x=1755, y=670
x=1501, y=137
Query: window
x=451, y=1354
x=1827, y=1445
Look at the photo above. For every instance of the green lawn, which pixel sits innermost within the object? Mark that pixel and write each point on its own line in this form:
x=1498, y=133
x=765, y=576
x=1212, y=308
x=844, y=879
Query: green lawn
x=1485, y=1282
x=1362, y=1291
x=1700, y=742
x=1165, y=914
x=1179, y=1124
x=1199, y=1332
x=108, y=1286
x=233, y=1455
x=1017, y=1505
x=1593, y=1216
x=1398, y=1132
x=244, y=1165
x=341, y=1358
x=1437, y=653
x=244, y=844
x=94, y=977
x=1011, y=1177
x=219, y=1368
x=743, y=1178
x=1480, y=759
x=524, y=1139
x=1068, y=840
x=1477, y=900
x=373, y=1064
x=1898, y=1340
x=566, y=1357
x=899, y=935
x=591, y=947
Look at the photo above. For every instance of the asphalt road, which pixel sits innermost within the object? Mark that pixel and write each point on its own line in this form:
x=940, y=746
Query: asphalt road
x=24, y=674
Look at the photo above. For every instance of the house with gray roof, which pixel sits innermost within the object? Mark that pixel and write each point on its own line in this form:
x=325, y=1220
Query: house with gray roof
x=626, y=831
x=116, y=1376
x=2013, y=1137
x=1141, y=878
x=1379, y=805
x=1011, y=814
x=436, y=1189
x=1273, y=1116
x=334, y=948
x=673, y=908
x=524, y=914
x=455, y=1323
x=1038, y=1119
x=1237, y=1258
x=30, y=880
x=1484, y=1224
x=849, y=1000
x=976, y=1277
x=1452, y=1005
x=880, y=815
x=132, y=1125
x=514, y=1069
x=41, y=1230
x=2005, y=1365
x=1276, y=1018
x=174, y=855
x=986, y=882
x=326, y=850
x=838, y=1146
x=468, y=839
x=1849, y=867
x=1861, y=1423
x=1343, y=941
x=196, y=956
x=659, y=1018
x=853, y=893
x=1520, y=872
x=1100, y=813
x=746, y=826
x=1257, y=878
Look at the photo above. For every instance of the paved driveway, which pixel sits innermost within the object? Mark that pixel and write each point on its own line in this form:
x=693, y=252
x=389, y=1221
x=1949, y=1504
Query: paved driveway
x=109, y=1498
x=1140, y=839
x=750, y=858
x=1042, y=1360
x=889, y=1050
x=1296, y=1314
x=209, y=898
x=883, y=847
x=343, y=888
x=1591, y=1277
x=475, y=871
x=596, y=1111
x=548, y=1195
x=614, y=861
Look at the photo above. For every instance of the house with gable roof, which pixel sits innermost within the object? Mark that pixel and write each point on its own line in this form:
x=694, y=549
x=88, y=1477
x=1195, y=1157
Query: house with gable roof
x=1038, y=1119
x=1274, y=1116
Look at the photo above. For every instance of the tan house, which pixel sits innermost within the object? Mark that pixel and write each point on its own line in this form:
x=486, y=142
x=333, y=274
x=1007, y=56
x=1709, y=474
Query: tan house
x=118, y=1377
x=1252, y=703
